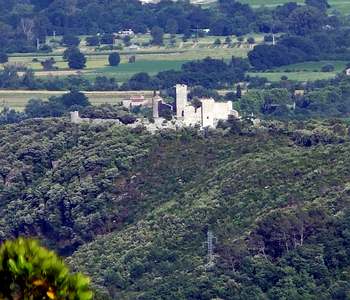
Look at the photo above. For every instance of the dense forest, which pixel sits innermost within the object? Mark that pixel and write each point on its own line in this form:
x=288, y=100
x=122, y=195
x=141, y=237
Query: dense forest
x=133, y=210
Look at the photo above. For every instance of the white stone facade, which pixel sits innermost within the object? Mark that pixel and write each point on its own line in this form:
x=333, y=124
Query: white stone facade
x=181, y=99
x=207, y=115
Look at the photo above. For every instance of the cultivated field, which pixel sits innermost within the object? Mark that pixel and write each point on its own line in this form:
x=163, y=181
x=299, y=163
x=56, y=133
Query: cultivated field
x=149, y=59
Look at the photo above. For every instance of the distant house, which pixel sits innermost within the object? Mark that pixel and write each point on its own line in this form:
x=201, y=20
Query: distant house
x=299, y=93
x=137, y=100
x=347, y=72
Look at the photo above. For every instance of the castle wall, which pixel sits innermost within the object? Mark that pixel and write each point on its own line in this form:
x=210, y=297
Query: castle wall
x=192, y=116
x=222, y=110
x=208, y=108
x=76, y=119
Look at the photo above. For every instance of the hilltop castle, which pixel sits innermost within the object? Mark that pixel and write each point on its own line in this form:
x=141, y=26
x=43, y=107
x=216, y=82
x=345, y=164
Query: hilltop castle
x=206, y=115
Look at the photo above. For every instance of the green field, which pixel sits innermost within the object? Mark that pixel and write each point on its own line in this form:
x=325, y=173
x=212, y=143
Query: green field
x=303, y=71
x=296, y=76
x=342, y=6
x=149, y=59
x=18, y=99
x=124, y=71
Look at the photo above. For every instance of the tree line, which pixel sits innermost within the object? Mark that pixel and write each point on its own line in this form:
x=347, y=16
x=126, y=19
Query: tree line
x=25, y=23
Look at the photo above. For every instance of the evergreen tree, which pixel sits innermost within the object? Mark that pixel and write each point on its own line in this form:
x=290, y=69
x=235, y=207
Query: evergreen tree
x=76, y=59
x=239, y=92
x=114, y=59
x=157, y=35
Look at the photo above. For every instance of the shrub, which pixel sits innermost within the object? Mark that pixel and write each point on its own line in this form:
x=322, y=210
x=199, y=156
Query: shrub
x=45, y=49
x=327, y=68
x=92, y=40
x=217, y=42
x=76, y=59
x=70, y=41
x=114, y=59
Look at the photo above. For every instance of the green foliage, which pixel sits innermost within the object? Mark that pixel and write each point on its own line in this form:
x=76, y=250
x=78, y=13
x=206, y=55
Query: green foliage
x=74, y=98
x=132, y=209
x=29, y=271
x=3, y=58
x=260, y=194
x=114, y=59
x=56, y=106
x=70, y=41
x=157, y=35
x=75, y=58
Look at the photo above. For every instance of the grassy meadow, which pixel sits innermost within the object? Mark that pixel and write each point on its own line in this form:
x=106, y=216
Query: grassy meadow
x=343, y=6
x=149, y=59
x=303, y=71
x=152, y=59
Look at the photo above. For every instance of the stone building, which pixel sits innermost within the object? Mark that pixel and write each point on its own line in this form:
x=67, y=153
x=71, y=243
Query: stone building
x=137, y=100
x=207, y=115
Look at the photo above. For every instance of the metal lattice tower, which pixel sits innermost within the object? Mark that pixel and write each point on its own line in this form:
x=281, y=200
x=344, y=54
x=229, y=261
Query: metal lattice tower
x=210, y=244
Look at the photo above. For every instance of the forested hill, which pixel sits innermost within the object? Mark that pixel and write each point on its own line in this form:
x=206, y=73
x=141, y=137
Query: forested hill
x=132, y=210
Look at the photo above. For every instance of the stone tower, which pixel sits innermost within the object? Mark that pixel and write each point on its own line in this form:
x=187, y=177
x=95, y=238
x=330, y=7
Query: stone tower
x=74, y=117
x=155, y=105
x=181, y=100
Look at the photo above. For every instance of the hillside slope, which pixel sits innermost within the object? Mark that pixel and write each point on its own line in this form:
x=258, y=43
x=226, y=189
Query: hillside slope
x=133, y=210
x=277, y=209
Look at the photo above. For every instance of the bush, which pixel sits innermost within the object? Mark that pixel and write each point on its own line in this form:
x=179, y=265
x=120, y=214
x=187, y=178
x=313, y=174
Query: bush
x=29, y=271
x=45, y=49
x=107, y=39
x=74, y=98
x=114, y=59
x=76, y=59
x=217, y=42
x=70, y=41
x=92, y=40
x=327, y=68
